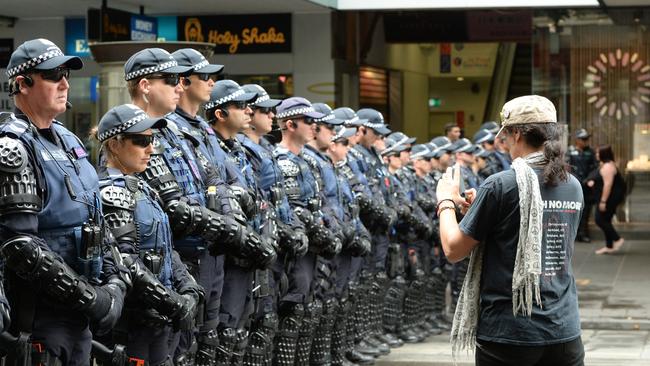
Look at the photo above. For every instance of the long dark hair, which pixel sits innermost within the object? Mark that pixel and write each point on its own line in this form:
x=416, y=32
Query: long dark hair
x=605, y=153
x=537, y=135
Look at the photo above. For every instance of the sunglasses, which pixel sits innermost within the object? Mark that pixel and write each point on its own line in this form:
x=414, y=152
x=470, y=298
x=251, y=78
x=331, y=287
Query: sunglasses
x=239, y=105
x=308, y=121
x=169, y=79
x=328, y=126
x=343, y=142
x=206, y=77
x=55, y=74
x=265, y=110
x=140, y=140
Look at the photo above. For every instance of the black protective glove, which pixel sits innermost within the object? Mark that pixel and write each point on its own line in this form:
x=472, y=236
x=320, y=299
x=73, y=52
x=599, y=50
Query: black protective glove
x=106, y=309
x=258, y=249
x=246, y=201
x=294, y=242
x=184, y=320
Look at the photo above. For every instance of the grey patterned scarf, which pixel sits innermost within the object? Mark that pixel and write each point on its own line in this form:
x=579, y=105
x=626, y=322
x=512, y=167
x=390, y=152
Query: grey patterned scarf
x=528, y=260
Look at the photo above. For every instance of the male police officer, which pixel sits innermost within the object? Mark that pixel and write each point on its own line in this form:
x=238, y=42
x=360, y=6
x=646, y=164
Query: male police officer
x=347, y=269
x=229, y=115
x=52, y=230
x=485, y=139
x=292, y=241
x=201, y=235
x=295, y=118
x=582, y=160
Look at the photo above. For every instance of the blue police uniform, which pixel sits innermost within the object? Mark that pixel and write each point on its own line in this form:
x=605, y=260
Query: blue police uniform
x=135, y=215
x=378, y=177
x=62, y=199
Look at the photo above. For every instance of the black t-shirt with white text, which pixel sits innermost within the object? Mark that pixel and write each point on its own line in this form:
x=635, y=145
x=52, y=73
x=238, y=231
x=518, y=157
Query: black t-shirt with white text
x=493, y=219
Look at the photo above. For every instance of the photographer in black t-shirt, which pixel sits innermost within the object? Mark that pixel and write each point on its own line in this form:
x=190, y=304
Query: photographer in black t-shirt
x=519, y=301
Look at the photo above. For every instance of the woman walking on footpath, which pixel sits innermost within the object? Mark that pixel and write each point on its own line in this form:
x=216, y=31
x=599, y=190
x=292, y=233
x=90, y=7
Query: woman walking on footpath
x=608, y=185
x=518, y=304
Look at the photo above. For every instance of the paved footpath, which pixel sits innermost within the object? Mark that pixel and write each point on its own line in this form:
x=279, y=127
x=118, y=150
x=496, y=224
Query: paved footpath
x=614, y=296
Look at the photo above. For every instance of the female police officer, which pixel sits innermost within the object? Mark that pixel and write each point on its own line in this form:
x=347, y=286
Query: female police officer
x=163, y=288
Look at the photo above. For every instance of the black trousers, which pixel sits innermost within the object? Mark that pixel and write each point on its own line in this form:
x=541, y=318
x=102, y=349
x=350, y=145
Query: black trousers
x=583, y=228
x=570, y=353
x=604, y=222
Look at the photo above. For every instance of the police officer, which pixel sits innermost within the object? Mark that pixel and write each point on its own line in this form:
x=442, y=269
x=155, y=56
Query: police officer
x=485, y=139
x=164, y=291
x=201, y=235
x=295, y=118
x=315, y=154
x=463, y=150
x=347, y=269
x=292, y=241
x=383, y=303
x=582, y=160
x=421, y=156
x=414, y=229
x=230, y=114
x=53, y=234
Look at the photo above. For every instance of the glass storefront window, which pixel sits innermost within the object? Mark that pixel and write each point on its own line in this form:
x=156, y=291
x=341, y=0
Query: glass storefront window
x=595, y=66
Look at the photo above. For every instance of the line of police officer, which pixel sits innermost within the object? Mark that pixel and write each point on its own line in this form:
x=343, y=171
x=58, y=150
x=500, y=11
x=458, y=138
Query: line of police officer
x=220, y=241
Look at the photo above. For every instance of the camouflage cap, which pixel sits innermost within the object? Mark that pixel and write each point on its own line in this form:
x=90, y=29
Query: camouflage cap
x=527, y=109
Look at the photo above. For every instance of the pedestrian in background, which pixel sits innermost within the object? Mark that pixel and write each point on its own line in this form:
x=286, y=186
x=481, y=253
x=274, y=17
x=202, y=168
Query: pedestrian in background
x=582, y=160
x=609, y=188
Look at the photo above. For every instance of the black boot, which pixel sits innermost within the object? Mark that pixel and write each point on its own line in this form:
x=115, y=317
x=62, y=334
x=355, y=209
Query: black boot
x=207, y=343
x=322, y=342
x=306, y=333
x=291, y=316
x=240, y=348
x=352, y=331
x=339, y=338
x=392, y=310
x=260, y=341
x=405, y=329
x=227, y=342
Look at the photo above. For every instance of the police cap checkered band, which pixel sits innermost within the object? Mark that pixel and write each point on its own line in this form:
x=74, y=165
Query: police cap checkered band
x=328, y=117
x=151, y=70
x=126, y=118
x=215, y=103
x=296, y=112
x=122, y=127
x=35, y=61
x=420, y=151
x=39, y=54
x=374, y=126
x=201, y=65
x=262, y=99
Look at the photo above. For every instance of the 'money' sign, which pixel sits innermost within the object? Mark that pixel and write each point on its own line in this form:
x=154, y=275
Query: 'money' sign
x=233, y=34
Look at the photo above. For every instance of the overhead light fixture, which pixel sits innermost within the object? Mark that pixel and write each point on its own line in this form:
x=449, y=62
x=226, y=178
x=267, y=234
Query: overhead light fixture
x=460, y=78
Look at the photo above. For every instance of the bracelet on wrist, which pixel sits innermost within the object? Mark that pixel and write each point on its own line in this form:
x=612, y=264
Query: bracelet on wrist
x=603, y=201
x=445, y=208
x=443, y=200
